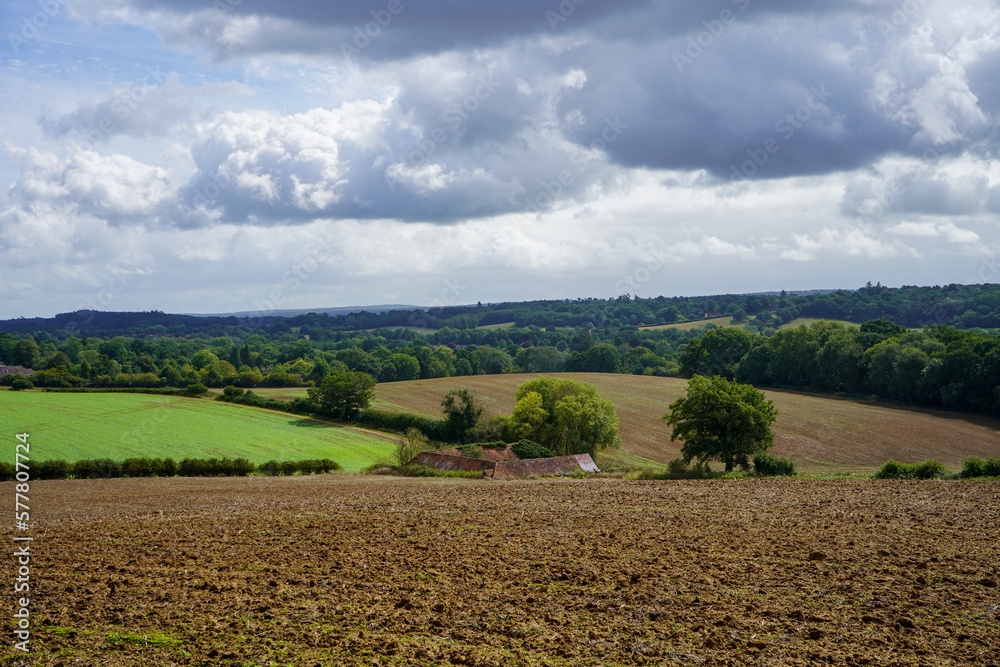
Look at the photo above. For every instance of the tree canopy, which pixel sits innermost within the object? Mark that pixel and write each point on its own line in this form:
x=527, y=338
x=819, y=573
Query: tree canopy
x=566, y=416
x=343, y=394
x=722, y=419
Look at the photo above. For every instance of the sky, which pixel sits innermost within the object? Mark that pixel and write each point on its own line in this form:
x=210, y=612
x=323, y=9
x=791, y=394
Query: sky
x=206, y=156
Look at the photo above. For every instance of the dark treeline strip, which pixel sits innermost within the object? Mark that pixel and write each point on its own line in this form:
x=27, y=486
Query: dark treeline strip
x=188, y=467
x=935, y=367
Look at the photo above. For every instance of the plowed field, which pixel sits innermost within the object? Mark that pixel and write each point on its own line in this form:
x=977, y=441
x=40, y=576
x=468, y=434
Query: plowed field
x=344, y=570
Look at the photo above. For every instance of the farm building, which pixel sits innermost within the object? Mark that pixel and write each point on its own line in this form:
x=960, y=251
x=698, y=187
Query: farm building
x=505, y=463
x=6, y=370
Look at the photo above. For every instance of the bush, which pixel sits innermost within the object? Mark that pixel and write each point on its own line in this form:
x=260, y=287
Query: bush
x=766, y=465
x=929, y=469
x=977, y=467
x=195, y=390
x=526, y=449
x=20, y=382
x=399, y=422
x=272, y=468
x=6, y=471
x=224, y=467
x=678, y=469
x=232, y=391
x=54, y=469
x=165, y=467
x=138, y=467
x=471, y=451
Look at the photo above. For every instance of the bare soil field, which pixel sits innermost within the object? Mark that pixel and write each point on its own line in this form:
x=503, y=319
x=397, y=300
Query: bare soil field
x=821, y=434
x=349, y=570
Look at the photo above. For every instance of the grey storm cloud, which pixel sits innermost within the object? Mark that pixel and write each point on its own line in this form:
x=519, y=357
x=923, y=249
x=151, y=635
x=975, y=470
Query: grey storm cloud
x=515, y=107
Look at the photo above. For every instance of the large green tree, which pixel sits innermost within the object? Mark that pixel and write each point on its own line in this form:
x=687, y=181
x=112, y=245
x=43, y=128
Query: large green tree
x=343, y=394
x=461, y=413
x=722, y=419
x=567, y=416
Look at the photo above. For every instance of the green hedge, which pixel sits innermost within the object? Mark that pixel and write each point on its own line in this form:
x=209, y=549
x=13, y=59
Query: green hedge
x=766, y=465
x=977, y=467
x=929, y=469
x=400, y=422
x=146, y=467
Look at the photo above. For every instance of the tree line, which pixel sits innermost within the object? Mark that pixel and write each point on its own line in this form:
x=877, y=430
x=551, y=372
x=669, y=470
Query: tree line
x=938, y=366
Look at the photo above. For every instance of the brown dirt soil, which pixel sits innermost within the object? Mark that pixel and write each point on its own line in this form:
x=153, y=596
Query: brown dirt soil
x=821, y=434
x=346, y=570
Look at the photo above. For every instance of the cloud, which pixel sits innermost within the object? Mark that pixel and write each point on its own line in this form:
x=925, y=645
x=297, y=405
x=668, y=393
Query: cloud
x=951, y=232
x=115, y=188
x=848, y=241
x=154, y=105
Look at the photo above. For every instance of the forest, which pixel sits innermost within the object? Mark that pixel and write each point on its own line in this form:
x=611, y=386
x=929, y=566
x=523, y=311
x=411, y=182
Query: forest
x=933, y=346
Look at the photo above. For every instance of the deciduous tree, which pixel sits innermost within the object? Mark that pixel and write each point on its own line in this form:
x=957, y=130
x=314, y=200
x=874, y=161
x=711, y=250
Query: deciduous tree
x=722, y=419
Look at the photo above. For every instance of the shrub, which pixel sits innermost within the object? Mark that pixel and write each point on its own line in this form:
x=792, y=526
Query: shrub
x=195, y=390
x=232, y=391
x=678, y=469
x=977, y=467
x=19, y=383
x=272, y=468
x=83, y=469
x=138, y=467
x=399, y=422
x=6, y=471
x=471, y=451
x=165, y=467
x=53, y=469
x=526, y=449
x=767, y=465
x=929, y=469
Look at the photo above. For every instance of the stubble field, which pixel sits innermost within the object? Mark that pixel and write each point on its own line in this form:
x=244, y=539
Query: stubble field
x=347, y=570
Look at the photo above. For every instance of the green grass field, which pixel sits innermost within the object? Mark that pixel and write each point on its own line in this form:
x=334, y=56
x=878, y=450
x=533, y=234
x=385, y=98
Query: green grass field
x=117, y=426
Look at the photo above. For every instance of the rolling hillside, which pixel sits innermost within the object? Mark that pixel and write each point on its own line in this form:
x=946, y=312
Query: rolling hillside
x=117, y=426
x=821, y=434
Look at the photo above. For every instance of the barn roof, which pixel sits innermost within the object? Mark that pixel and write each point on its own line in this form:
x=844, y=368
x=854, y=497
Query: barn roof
x=558, y=465
x=455, y=460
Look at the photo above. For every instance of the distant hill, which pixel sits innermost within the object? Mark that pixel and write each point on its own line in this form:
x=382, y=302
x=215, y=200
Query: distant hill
x=295, y=312
x=959, y=306
x=820, y=434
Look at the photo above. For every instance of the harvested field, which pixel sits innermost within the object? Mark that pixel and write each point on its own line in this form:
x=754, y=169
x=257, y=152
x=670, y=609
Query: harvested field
x=345, y=570
x=821, y=434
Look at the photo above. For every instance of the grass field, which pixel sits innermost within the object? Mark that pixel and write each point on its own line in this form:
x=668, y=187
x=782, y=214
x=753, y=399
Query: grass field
x=689, y=326
x=821, y=434
x=88, y=426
